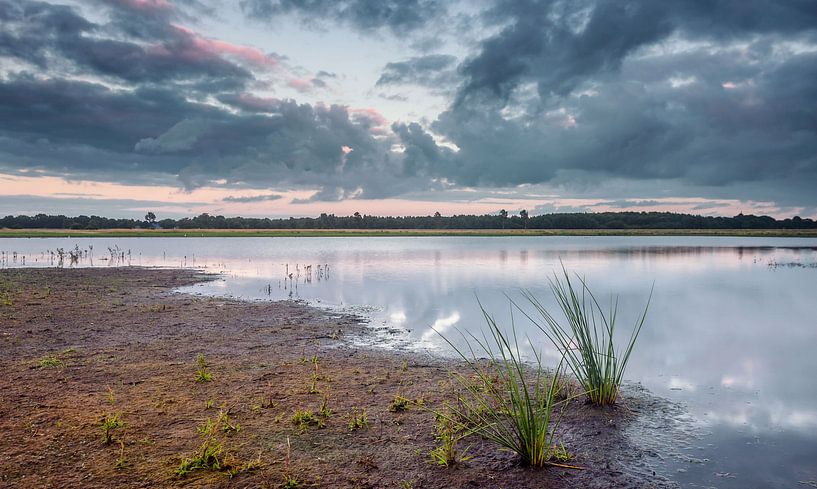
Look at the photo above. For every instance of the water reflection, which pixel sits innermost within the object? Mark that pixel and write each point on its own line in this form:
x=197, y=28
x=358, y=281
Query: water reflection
x=731, y=330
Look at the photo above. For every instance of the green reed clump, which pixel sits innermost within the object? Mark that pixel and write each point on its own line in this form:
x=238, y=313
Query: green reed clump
x=512, y=403
x=585, y=336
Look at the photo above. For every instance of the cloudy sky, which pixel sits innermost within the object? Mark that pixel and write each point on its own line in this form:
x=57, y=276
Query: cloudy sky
x=287, y=107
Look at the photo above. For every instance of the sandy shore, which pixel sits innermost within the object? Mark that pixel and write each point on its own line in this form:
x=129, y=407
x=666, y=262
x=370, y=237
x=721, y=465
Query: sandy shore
x=77, y=345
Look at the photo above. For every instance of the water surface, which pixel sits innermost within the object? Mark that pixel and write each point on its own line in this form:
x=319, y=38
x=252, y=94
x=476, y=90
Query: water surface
x=731, y=332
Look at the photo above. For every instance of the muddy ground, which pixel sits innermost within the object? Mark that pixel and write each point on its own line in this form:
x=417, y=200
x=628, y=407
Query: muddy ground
x=79, y=344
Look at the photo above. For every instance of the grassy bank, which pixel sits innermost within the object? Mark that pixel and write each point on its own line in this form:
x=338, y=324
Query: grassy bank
x=283, y=233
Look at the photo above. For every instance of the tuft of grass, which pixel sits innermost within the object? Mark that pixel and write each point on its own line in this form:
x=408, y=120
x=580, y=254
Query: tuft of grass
x=51, y=361
x=514, y=406
x=586, y=340
x=121, y=462
x=448, y=433
x=306, y=418
x=109, y=424
x=325, y=411
x=399, y=404
x=202, y=375
x=212, y=454
x=358, y=419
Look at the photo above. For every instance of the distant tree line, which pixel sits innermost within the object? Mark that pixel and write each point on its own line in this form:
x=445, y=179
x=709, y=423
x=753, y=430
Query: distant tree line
x=602, y=220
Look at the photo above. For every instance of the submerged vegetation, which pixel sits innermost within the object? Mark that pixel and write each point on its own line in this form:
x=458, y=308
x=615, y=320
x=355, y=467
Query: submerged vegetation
x=586, y=341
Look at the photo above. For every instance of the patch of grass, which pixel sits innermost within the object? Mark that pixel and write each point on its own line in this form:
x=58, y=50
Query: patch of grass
x=515, y=407
x=212, y=454
x=5, y=299
x=304, y=419
x=109, y=424
x=222, y=421
x=325, y=411
x=586, y=340
x=358, y=419
x=290, y=482
x=202, y=375
x=399, y=404
x=121, y=462
x=209, y=456
x=51, y=361
x=448, y=433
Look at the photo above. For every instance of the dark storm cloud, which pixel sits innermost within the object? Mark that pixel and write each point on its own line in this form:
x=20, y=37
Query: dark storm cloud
x=252, y=198
x=559, y=45
x=433, y=70
x=711, y=98
x=398, y=16
x=694, y=94
x=95, y=130
x=137, y=45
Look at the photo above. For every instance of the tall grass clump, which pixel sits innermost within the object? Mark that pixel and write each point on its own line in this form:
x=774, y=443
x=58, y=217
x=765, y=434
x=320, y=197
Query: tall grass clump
x=506, y=400
x=585, y=336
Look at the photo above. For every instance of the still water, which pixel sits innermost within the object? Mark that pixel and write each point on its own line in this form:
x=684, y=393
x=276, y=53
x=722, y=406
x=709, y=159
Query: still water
x=731, y=333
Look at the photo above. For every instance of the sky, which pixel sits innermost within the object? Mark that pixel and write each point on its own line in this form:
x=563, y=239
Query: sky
x=407, y=107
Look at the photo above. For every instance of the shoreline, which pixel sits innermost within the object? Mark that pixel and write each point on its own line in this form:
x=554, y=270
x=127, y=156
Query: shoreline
x=334, y=233
x=123, y=342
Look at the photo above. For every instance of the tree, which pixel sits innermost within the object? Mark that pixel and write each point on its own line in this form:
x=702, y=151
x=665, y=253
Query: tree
x=503, y=214
x=523, y=214
x=150, y=217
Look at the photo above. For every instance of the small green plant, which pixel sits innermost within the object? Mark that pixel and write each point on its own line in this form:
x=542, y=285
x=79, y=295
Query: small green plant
x=448, y=433
x=209, y=456
x=515, y=407
x=110, y=395
x=121, y=461
x=212, y=454
x=325, y=411
x=202, y=375
x=208, y=404
x=586, y=341
x=306, y=418
x=399, y=404
x=51, y=361
x=358, y=419
x=221, y=421
x=290, y=482
x=109, y=424
x=5, y=300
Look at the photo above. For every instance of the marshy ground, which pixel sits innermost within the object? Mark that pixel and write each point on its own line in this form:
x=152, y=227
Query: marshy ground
x=85, y=348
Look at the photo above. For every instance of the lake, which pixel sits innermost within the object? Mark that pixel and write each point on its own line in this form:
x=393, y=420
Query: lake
x=731, y=333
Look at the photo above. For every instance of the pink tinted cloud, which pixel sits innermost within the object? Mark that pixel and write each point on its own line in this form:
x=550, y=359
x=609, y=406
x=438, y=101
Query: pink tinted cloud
x=302, y=85
x=201, y=47
x=372, y=114
x=145, y=5
x=254, y=103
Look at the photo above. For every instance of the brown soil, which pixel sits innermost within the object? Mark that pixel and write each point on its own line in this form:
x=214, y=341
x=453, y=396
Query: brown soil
x=128, y=345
